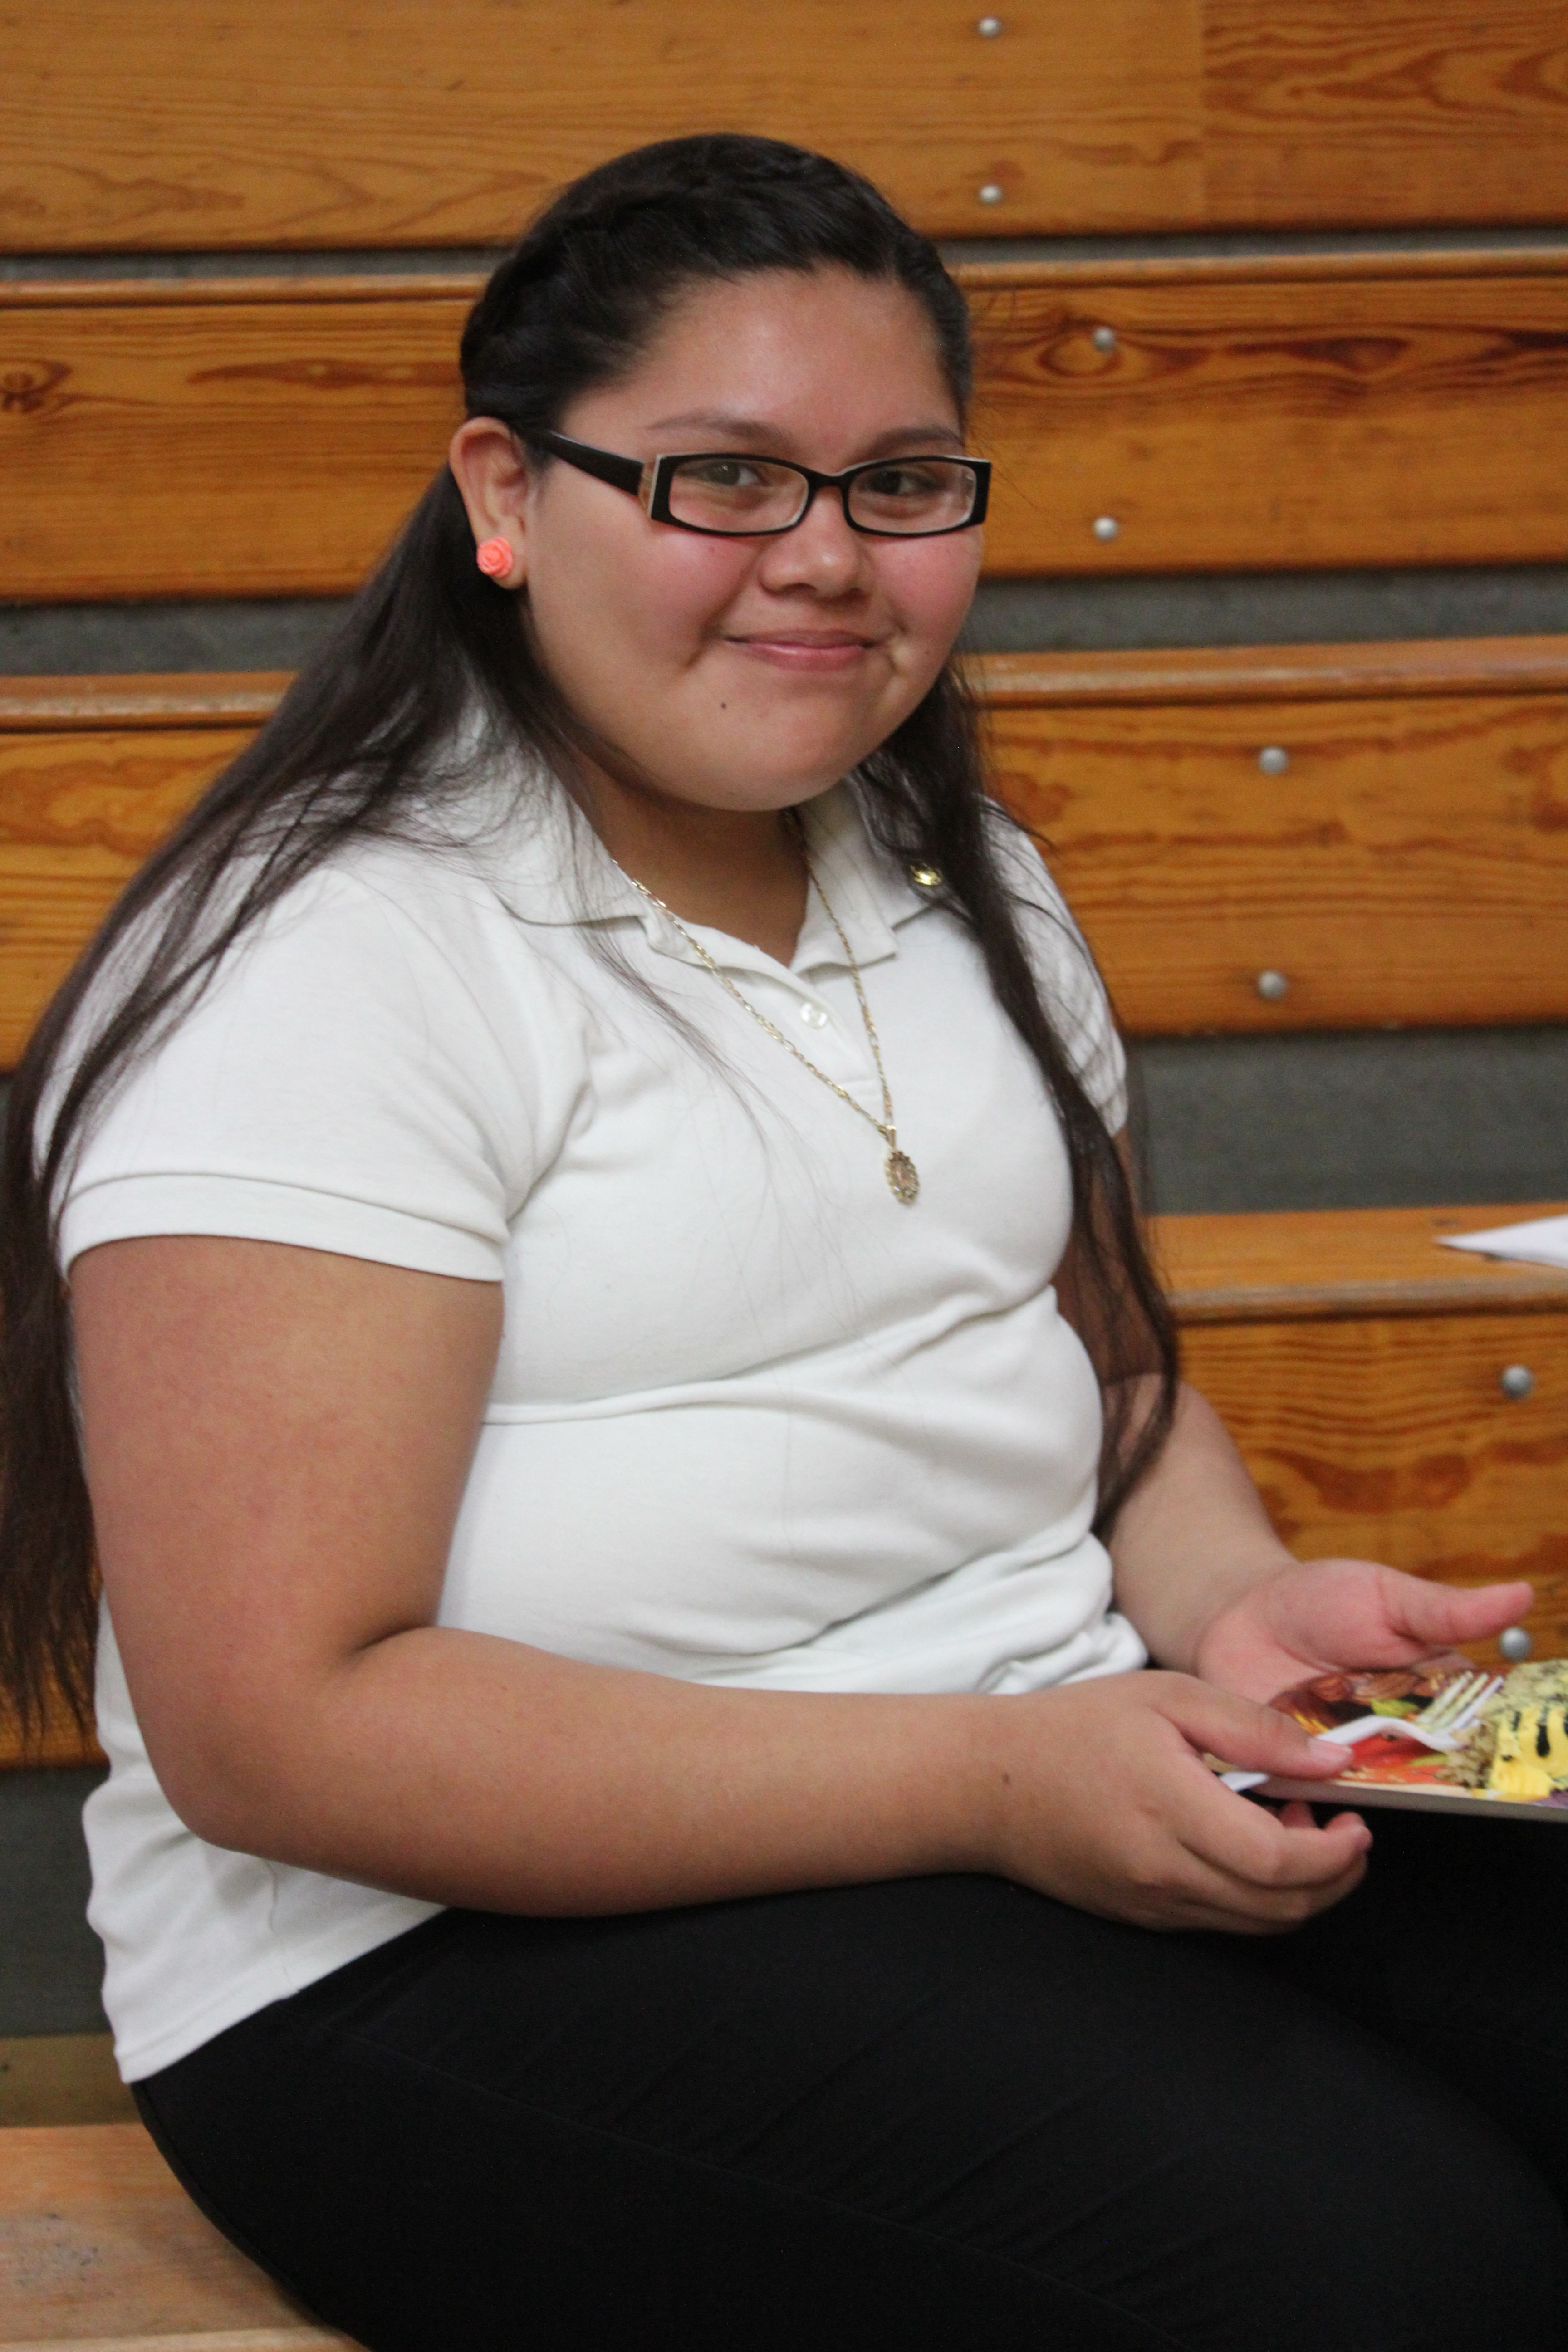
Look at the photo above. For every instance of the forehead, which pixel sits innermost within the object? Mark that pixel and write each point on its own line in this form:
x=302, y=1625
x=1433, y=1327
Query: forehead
x=791, y=345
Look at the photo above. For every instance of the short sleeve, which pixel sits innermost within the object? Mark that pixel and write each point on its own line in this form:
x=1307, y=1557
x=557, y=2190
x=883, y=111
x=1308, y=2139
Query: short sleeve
x=338, y=1084
x=1068, y=975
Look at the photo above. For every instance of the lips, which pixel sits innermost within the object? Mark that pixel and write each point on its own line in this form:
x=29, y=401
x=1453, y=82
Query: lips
x=828, y=649
x=812, y=640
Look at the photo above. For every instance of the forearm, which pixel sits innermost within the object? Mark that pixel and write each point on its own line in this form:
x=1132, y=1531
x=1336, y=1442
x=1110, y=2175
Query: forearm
x=1192, y=1538
x=470, y=1770
x=464, y=1769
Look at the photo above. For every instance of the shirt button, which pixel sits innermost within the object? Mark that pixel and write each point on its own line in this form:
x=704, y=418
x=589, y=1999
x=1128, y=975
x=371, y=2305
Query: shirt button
x=814, y=1016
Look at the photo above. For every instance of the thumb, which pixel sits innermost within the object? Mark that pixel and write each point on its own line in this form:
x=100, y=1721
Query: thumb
x=1434, y=1614
x=1251, y=1738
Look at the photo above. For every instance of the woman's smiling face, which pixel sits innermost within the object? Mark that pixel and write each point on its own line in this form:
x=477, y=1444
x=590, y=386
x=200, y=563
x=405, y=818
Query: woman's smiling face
x=740, y=674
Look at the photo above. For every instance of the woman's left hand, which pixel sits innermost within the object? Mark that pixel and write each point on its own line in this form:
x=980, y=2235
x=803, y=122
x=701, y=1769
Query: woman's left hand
x=1309, y=1617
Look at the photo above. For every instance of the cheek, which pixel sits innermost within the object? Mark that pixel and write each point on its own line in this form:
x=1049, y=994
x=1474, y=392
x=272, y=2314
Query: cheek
x=931, y=585
x=652, y=592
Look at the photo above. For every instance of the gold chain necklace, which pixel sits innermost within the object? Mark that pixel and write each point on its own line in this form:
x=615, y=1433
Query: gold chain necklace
x=903, y=1179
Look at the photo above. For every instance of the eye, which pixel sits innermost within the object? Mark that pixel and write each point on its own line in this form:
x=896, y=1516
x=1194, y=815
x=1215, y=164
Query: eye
x=907, y=482
x=724, y=473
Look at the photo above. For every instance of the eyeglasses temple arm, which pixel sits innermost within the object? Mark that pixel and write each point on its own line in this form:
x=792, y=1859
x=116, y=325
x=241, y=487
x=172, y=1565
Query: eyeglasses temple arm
x=623, y=473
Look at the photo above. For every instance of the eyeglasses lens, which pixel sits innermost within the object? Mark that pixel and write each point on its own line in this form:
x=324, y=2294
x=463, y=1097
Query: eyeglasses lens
x=738, y=494
x=904, y=496
x=913, y=495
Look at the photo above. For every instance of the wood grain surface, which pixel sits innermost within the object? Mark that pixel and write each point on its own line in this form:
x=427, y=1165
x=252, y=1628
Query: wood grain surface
x=1357, y=1364
x=184, y=125
x=1286, y=1265
x=1389, y=1438
x=79, y=813
x=142, y=700
x=1374, y=112
x=239, y=443
x=97, y=2239
x=1267, y=414
x=61, y=2078
x=267, y=437
x=189, y=124
x=302, y=2339
x=1410, y=867
x=1415, y=667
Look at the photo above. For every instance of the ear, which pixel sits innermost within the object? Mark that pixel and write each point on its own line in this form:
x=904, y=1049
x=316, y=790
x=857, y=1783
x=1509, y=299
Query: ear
x=493, y=478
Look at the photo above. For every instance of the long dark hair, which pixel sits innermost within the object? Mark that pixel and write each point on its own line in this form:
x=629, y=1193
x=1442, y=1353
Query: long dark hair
x=358, y=739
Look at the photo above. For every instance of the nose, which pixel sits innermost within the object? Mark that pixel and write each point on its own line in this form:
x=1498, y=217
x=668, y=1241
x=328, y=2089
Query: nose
x=821, y=553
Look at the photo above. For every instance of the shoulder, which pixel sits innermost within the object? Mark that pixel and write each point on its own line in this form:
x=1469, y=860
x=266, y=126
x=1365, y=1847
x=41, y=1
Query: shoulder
x=1068, y=976
x=437, y=923
x=1051, y=933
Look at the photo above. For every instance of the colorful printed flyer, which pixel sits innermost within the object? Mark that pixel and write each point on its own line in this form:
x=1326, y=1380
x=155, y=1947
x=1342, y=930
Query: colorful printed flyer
x=1446, y=1737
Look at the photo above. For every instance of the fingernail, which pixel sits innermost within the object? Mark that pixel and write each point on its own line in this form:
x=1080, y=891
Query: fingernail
x=1328, y=1752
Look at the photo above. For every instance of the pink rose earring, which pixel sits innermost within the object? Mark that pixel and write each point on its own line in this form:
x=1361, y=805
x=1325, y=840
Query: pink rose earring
x=494, y=558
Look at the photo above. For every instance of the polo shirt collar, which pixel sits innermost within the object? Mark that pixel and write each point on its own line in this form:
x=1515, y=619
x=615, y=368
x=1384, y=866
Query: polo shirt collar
x=558, y=872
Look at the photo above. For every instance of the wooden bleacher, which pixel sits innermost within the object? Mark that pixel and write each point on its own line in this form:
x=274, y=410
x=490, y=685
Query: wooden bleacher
x=1384, y=828
x=100, y=2250
x=252, y=436
x=1407, y=865
x=268, y=435
x=188, y=125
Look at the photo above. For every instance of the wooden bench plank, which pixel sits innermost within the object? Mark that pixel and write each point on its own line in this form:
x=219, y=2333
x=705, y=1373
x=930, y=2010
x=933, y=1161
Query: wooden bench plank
x=1293, y=411
x=395, y=122
x=61, y=2078
x=79, y=813
x=1292, y=1265
x=1333, y=113
x=100, y=2241
x=1413, y=668
x=260, y=441
x=1388, y=1438
x=1410, y=865
x=1358, y=1364
x=1281, y=413
x=221, y=2339
x=183, y=124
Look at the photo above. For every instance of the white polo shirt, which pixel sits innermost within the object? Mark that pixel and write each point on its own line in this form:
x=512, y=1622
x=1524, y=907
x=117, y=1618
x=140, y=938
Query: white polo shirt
x=753, y=1421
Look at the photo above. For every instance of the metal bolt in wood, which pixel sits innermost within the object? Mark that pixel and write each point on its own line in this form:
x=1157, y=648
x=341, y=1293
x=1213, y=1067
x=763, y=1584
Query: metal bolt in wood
x=1106, y=526
x=1516, y=1381
x=990, y=193
x=1274, y=759
x=1271, y=986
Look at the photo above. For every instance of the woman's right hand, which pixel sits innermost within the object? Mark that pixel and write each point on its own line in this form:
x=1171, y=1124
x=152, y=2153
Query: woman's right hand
x=1102, y=1799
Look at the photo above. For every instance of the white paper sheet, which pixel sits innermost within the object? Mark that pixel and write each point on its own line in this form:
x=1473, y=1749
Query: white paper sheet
x=1540, y=1241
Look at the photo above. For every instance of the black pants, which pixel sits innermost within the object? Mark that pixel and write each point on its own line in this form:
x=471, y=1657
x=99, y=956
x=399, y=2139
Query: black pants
x=938, y=2114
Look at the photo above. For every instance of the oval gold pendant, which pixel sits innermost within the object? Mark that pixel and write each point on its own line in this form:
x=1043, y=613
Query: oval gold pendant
x=902, y=1177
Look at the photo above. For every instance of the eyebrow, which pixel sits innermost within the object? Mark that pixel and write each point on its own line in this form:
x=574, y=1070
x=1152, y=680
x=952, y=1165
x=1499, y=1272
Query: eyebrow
x=748, y=432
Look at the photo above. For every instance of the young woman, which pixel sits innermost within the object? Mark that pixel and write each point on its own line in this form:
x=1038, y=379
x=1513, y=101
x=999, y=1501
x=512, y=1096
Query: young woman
x=596, y=1250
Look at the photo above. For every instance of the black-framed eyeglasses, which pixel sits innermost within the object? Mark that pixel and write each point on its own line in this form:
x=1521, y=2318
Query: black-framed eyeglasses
x=728, y=494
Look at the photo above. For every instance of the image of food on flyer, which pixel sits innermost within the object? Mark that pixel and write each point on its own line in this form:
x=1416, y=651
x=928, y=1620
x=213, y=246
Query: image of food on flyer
x=1444, y=1734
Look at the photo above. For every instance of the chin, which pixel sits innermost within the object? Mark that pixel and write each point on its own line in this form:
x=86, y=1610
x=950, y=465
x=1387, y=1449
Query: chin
x=798, y=770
